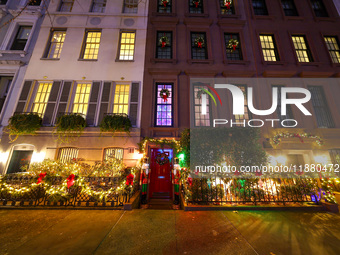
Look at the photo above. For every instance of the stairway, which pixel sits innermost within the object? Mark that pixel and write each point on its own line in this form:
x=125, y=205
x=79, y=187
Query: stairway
x=160, y=201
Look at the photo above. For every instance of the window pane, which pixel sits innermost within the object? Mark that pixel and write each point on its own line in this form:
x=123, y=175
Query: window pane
x=302, y=50
x=319, y=8
x=56, y=44
x=269, y=48
x=199, y=46
x=164, y=6
x=121, y=99
x=98, y=6
x=333, y=48
x=200, y=119
x=289, y=7
x=233, y=54
x=130, y=6
x=41, y=98
x=66, y=5
x=196, y=6
x=81, y=98
x=92, y=43
x=164, y=45
x=260, y=7
x=164, y=111
x=227, y=7
x=127, y=46
x=21, y=38
x=67, y=154
x=117, y=153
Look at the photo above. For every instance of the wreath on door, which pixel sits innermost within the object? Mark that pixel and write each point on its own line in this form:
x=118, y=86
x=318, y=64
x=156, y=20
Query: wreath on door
x=162, y=160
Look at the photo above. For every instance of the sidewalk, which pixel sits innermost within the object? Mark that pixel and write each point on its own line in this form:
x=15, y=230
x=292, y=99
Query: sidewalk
x=167, y=232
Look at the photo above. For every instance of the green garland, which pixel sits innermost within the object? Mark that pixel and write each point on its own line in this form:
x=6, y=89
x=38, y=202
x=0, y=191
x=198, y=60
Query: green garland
x=164, y=91
x=276, y=140
x=23, y=124
x=115, y=123
x=70, y=125
x=174, y=144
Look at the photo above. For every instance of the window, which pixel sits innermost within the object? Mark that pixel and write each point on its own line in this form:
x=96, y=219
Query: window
x=333, y=48
x=196, y=6
x=41, y=98
x=198, y=46
x=289, y=7
x=56, y=43
x=200, y=119
x=335, y=156
x=269, y=49
x=289, y=112
x=227, y=7
x=130, y=6
x=164, y=6
x=319, y=8
x=67, y=154
x=301, y=48
x=21, y=38
x=164, y=106
x=3, y=2
x=117, y=153
x=231, y=53
x=81, y=98
x=121, y=99
x=34, y=2
x=5, y=84
x=66, y=5
x=164, y=45
x=260, y=7
x=322, y=113
x=127, y=45
x=98, y=6
x=247, y=115
x=91, y=45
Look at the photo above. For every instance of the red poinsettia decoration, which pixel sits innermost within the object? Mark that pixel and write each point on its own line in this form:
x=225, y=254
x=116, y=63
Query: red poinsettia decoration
x=70, y=180
x=165, y=2
x=41, y=177
x=129, y=179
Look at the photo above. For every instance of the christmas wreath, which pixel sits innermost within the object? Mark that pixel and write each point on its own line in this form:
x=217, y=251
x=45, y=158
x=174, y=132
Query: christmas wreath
x=164, y=93
x=165, y=2
x=199, y=42
x=196, y=3
x=227, y=3
x=162, y=160
x=232, y=44
x=200, y=93
x=163, y=41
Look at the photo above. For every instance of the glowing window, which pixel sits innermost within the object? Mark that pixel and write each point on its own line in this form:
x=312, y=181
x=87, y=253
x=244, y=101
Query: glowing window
x=164, y=106
x=81, y=98
x=127, y=45
x=56, y=44
x=333, y=48
x=91, y=44
x=41, y=98
x=269, y=49
x=301, y=48
x=67, y=154
x=121, y=99
x=113, y=153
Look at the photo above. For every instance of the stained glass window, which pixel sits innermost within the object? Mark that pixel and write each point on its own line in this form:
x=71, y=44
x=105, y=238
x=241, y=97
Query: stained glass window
x=164, y=107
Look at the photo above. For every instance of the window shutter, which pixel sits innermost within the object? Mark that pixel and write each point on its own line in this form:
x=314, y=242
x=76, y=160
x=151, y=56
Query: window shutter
x=133, y=115
x=64, y=98
x=51, y=104
x=24, y=96
x=105, y=100
x=91, y=112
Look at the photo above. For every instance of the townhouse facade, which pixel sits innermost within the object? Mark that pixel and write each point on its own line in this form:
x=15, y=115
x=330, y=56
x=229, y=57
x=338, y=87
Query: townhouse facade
x=249, y=40
x=88, y=60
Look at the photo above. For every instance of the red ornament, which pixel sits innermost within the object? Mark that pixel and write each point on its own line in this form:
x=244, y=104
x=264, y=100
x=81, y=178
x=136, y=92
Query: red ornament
x=70, y=180
x=190, y=181
x=129, y=179
x=41, y=177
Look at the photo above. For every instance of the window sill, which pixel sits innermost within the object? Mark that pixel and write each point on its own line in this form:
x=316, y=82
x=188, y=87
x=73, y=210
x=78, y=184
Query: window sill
x=299, y=18
x=200, y=61
x=197, y=15
x=336, y=64
x=119, y=60
x=264, y=17
x=228, y=16
x=236, y=62
x=159, y=60
x=277, y=63
x=53, y=59
x=90, y=60
x=308, y=63
x=322, y=19
x=164, y=14
x=22, y=53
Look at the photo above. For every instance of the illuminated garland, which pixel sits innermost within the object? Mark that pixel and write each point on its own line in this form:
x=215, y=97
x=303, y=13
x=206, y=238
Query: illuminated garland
x=276, y=140
x=199, y=42
x=232, y=44
x=328, y=192
x=174, y=144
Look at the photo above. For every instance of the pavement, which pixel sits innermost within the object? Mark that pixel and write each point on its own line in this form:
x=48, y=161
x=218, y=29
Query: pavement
x=149, y=231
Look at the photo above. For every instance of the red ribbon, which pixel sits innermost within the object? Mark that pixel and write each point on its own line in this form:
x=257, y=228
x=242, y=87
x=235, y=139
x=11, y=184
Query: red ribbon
x=196, y=4
x=70, y=180
x=165, y=98
x=190, y=181
x=234, y=46
x=298, y=136
x=165, y=3
x=227, y=4
x=199, y=44
x=163, y=44
x=129, y=179
x=41, y=177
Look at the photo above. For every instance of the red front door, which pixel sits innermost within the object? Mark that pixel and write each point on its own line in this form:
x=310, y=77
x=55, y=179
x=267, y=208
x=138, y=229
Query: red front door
x=160, y=165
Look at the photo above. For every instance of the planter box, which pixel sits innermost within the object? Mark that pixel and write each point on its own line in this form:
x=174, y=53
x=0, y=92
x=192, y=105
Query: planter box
x=334, y=208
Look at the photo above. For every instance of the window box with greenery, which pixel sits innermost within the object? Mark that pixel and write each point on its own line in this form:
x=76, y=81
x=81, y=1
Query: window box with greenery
x=69, y=126
x=23, y=124
x=116, y=123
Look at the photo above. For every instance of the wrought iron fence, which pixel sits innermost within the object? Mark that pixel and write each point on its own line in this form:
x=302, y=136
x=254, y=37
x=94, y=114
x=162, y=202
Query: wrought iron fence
x=37, y=195
x=250, y=191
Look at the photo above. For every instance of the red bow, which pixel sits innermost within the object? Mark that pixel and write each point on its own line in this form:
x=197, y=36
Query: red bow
x=165, y=3
x=70, y=180
x=199, y=44
x=196, y=4
x=227, y=4
x=41, y=177
x=190, y=181
x=163, y=44
x=237, y=173
x=129, y=179
x=298, y=136
x=234, y=46
x=165, y=98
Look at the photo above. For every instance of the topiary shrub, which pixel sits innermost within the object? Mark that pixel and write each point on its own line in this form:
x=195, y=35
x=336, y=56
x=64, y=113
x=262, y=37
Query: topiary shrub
x=69, y=126
x=115, y=123
x=23, y=124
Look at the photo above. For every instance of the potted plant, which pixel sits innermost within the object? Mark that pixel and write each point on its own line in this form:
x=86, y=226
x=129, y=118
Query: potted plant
x=23, y=124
